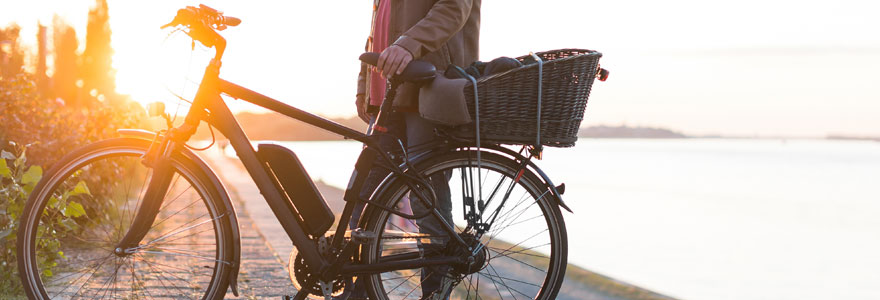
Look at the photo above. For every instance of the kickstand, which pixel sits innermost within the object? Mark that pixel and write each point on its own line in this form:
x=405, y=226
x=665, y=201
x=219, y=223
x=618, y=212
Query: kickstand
x=300, y=295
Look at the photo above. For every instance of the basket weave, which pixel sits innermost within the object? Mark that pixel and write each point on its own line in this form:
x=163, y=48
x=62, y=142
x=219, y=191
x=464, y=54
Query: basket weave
x=508, y=100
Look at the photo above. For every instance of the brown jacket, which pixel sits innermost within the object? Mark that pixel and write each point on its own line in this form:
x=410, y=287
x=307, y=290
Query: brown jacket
x=438, y=31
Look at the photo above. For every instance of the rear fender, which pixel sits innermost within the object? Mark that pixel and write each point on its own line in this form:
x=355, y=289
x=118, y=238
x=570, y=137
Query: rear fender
x=415, y=158
x=534, y=168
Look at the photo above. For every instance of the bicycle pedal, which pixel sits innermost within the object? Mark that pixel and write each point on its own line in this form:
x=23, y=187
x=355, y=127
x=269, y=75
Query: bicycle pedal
x=361, y=236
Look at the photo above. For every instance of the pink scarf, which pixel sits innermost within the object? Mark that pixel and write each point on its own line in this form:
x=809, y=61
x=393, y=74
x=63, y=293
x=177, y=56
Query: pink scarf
x=380, y=42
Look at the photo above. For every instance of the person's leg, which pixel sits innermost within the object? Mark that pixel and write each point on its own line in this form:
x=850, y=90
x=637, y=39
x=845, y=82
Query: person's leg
x=420, y=131
x=388, y=141
x=396, y=130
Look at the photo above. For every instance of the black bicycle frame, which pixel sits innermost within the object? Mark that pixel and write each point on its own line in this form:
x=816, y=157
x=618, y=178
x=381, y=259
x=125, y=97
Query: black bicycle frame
x=208, y=106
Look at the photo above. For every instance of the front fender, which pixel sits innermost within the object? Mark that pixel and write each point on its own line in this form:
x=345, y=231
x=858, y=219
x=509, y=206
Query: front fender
x=234, y=235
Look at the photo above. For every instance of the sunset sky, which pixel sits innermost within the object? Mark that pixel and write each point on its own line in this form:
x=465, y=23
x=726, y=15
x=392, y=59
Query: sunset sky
x=745, y=68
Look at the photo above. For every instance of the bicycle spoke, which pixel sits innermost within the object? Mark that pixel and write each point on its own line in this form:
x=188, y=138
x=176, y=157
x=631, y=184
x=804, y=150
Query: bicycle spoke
x=109, y=279
x=140, y=193
x=91, y=276
x=505, y=252
x=498, y=290
x=497, y=212
x=522, y=227
x=510, y=290
x=514, y=280
x=186, y=236
x=178, y=211
x=126, y=200
x=417, y=286
x=180, y=230
x=166, y=279
x=93, y=267
x=75, y=259
x=407, y=280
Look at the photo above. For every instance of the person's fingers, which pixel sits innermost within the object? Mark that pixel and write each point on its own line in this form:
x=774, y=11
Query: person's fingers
x=382, y=61
x=393, y=64
x=360, y=112
x=361, y=108
x=406, y=59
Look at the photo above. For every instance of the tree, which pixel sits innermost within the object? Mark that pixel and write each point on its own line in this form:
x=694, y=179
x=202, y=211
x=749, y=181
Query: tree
x=40, y=75
x=65, y=77
x=97, y=59
x=11, y=54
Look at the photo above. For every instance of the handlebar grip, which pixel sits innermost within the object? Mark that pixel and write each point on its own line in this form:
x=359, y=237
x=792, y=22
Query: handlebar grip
x=370, y=58
x=231, y=21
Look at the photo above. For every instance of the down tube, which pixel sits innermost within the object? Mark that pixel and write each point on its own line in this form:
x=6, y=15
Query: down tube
x=224, y=121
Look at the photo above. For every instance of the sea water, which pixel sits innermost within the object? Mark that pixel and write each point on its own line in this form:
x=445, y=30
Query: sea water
x=708, y=218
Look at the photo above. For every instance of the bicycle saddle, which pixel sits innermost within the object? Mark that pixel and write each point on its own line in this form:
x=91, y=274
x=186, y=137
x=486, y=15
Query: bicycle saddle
x=417, y=71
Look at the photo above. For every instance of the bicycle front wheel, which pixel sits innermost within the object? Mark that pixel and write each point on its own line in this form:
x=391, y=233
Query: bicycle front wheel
x=521, y=246
x=81, y=209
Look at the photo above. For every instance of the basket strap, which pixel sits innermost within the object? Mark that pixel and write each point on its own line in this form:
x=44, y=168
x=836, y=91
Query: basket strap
x=477, y=121
x=538, y=145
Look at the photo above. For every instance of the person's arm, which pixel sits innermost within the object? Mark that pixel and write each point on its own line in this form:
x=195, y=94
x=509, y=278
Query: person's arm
x=360, y=98
x=444, y=20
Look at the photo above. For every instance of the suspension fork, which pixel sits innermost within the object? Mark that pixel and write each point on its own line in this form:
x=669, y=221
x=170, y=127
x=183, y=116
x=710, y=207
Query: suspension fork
x=159, y=158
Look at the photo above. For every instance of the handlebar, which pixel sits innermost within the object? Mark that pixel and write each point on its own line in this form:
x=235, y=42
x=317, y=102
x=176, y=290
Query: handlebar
x=203, y=23
x=190, y=15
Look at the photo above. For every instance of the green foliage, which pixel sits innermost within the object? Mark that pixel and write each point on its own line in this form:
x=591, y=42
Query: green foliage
x=53, y=128
x=50, y=129
x=17, y=181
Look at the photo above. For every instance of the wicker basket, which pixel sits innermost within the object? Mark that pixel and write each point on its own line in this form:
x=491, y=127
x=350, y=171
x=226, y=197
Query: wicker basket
x=508, y=100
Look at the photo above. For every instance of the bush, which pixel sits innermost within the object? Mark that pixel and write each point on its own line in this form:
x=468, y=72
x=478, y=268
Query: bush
x=51, y=127
x=17, y=181
x=33, y=134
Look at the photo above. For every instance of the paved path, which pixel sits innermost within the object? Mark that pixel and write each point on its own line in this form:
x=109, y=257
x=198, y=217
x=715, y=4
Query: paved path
x=266, y=247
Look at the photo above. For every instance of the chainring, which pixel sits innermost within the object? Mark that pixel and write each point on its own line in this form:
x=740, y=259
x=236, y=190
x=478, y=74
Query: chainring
x=300, y=272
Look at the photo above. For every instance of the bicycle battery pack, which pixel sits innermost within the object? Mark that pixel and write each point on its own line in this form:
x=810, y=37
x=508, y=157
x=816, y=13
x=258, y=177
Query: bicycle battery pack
x=315, y=216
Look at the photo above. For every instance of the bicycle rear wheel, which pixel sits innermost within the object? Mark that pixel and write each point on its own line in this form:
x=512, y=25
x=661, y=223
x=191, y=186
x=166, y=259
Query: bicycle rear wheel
x=522, y=254
x=82, y=208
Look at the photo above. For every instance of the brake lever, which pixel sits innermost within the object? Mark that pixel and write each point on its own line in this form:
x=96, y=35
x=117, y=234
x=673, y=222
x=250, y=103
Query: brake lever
x=177, y=18
x=171, y=24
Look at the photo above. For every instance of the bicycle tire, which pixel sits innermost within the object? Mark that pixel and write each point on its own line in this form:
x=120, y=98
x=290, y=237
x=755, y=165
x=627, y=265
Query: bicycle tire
x=185, y=255
x=513, y=265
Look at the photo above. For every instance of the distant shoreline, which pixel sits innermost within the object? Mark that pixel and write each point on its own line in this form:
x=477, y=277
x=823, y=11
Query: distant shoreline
x=273, y=126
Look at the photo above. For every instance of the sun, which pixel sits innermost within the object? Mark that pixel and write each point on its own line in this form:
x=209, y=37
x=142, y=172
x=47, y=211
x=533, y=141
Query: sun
x=161, y=68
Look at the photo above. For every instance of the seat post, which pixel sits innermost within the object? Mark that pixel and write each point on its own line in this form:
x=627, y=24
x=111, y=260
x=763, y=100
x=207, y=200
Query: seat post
x=382, y=119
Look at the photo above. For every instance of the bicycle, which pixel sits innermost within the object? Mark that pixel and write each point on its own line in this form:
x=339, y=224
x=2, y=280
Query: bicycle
x=163, y=226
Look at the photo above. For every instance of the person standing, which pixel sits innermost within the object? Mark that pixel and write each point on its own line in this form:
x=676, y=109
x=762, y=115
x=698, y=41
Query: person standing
x=441, y=32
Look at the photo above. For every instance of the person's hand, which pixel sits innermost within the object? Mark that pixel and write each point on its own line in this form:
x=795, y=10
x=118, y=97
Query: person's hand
x=362, y=108
x=393, y=60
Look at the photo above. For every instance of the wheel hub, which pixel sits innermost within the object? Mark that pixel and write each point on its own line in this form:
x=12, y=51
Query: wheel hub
x=474, y=262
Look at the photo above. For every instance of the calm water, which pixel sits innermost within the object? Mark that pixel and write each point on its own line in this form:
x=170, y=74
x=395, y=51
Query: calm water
x=709, y=219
